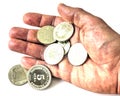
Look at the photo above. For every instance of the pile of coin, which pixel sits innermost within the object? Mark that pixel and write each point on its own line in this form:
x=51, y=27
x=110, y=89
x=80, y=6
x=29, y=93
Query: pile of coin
x=58, y=45
x=57, y=39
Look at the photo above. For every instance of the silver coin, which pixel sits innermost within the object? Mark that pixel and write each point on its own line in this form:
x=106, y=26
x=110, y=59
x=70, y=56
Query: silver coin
x=53, y=54
x=65, y=45
x=77, y=54
x=39, y=77
x=17, y=75
x=63, y=31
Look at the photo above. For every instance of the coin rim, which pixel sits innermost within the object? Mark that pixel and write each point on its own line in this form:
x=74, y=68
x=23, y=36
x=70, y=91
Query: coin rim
x=48, y=72
x=9, y=74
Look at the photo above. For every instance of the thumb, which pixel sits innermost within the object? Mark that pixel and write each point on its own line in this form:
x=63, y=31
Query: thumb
x=73, y=15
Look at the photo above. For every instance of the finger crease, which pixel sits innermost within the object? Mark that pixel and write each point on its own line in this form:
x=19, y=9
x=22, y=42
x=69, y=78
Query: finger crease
x=40, y=20
x=26, y=48
x=53, y=21
x=27, y=35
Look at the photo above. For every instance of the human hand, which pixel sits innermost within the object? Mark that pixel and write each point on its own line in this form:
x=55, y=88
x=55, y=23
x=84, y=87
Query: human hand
x=100, y=72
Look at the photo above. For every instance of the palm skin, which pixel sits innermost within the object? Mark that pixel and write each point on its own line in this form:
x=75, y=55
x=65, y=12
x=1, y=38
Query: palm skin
x=100, y=73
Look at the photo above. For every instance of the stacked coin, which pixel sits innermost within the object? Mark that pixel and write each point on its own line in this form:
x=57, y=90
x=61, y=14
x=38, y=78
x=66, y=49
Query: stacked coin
x=39, y=76
x=55, y=52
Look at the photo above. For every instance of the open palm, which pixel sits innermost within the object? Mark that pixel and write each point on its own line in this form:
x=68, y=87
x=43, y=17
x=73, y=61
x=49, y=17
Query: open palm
x=99, y=73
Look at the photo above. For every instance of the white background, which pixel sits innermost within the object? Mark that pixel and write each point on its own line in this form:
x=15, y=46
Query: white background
x=11, y=12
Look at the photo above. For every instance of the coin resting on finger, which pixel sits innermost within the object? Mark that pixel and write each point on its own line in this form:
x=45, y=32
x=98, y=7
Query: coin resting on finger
x=39, y=77
x=49, y=34
x=45, y=34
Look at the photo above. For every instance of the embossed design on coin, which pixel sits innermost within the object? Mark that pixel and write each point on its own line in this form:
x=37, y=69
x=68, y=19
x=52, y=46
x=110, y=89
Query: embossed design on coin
x=53, y=54
x=63, y=31
x=17, y=75
x=45, y=34
x=77, y=54
x=39, y=77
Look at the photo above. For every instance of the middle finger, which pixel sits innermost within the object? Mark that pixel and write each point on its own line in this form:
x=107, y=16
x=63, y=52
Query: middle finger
x=36, y=19
x=27, y=48
x=29, y=35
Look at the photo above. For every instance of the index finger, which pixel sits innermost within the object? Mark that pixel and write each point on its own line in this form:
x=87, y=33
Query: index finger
x=36, y=19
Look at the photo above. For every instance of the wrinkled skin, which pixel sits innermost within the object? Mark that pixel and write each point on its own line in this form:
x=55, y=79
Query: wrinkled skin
x=100, y=73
